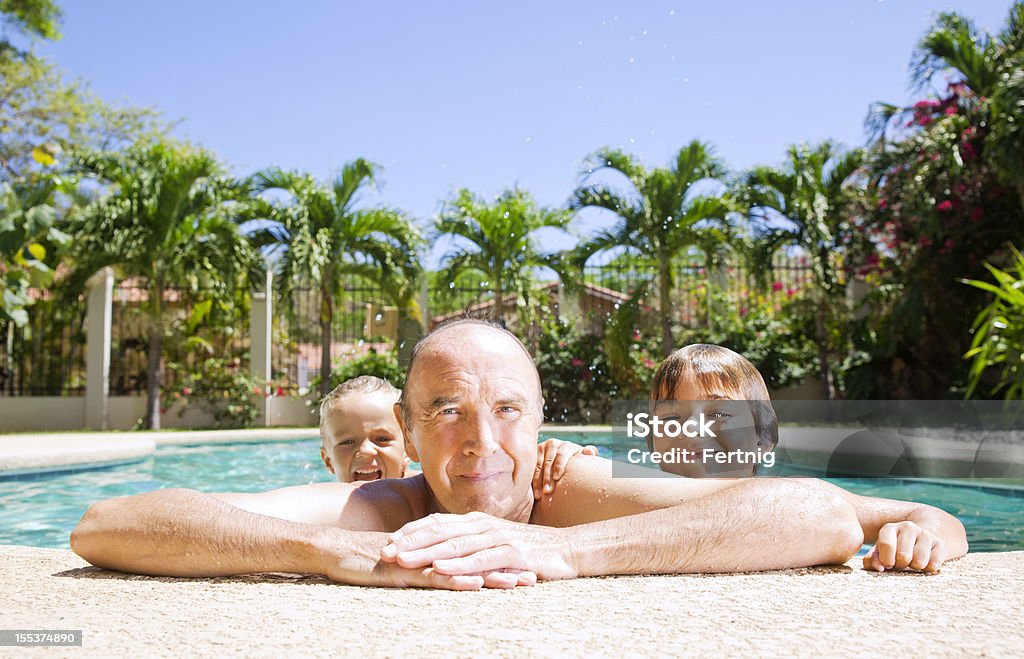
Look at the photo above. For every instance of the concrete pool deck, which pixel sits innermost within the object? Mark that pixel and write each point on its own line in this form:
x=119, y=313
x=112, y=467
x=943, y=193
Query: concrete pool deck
x=22, y=453
x=971, y=608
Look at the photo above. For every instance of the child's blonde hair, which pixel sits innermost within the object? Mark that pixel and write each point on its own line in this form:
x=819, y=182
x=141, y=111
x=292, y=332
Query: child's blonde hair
x=718, y=369
x=364, y=384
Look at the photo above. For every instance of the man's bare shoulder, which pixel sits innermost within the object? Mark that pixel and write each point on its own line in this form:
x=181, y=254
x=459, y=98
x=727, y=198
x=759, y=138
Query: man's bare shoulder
x=370, y=506
x=589, y=493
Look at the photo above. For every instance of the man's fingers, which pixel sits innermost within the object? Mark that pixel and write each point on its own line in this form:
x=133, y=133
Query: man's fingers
x=495, y=558
x=922, y=553
x=589, y=449
x=450, y=548
x=905, y=548
x=431, y=534
x=871, y=561
x=509, y=579
x=938, y=557
x=452, y=581
x=886, y=545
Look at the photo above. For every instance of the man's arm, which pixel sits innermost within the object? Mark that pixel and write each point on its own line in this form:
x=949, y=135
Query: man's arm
x=190, y=534
x=905, y=533
x=177, y=532
x=649, y=526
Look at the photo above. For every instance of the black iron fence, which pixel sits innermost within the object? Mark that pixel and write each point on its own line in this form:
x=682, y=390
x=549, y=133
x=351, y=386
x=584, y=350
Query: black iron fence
x=47, y=357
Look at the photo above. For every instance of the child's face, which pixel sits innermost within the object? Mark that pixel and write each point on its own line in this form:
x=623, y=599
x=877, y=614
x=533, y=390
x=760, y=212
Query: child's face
x=733, y=427
x=362, y=441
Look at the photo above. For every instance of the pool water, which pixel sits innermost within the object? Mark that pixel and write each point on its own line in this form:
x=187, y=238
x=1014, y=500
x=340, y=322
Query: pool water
x=40, y=510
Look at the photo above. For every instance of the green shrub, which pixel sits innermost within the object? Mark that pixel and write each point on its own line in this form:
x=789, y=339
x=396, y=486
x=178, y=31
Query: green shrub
x=999, y=332
x=221, y=387
x=380, y=364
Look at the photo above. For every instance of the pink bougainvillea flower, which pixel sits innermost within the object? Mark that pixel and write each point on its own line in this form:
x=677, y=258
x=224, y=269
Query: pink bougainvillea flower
x=777, y=286
x=950, y=110
x=185, y=391
x=944, y=206
x=950, y=243
x=577, y=362
x=648, y=363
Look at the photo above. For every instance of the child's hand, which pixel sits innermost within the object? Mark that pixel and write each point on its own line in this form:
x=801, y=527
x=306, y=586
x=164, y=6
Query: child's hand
x=905, y=544
x=552, y=456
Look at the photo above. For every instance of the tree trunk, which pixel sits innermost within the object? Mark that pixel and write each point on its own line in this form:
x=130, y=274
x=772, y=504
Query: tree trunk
x=326, y=320
x=499, y=302
x=825, y=373
x=664, y=310
x=154, y=369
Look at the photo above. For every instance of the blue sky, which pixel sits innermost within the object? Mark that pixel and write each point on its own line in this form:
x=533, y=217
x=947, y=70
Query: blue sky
x=488, y=95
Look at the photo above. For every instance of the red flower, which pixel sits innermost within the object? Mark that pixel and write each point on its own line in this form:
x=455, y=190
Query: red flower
x=777, y=286
x=944, y=206
x=950, y=243
x=883, y=204
x=648, y=363
x=791, y=291
x=950, y=111
x=280, y=391
x=185, y=391
x=577, y=362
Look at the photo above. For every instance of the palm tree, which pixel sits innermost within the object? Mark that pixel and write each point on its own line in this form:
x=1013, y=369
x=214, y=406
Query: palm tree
x=322, y=235
x=802, y=204
x=164, y=220
x=660, y=217
x=498, y=241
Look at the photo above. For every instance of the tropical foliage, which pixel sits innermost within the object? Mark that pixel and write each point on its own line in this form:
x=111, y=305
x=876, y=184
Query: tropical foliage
x=998, y=343
x=499, y=241
x=163, y=218
x=321, y=234
x=805, y=204
x=660, y=216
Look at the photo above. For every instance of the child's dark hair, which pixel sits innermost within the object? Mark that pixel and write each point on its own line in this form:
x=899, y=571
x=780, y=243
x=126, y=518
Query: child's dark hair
x=718, y=369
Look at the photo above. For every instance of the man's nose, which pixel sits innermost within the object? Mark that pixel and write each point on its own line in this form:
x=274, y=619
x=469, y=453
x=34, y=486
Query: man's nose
x=481, y=440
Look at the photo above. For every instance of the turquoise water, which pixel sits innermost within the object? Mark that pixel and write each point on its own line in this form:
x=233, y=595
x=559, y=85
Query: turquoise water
x=41, y=510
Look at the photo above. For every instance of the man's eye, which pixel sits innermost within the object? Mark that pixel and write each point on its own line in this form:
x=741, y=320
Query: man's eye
x=449, y=411
x=384, y=439
x=346, y=442
x=508, y=409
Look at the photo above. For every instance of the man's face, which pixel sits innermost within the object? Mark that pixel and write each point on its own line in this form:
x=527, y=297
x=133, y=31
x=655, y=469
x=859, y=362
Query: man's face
x=362, y=440
x=472, y=400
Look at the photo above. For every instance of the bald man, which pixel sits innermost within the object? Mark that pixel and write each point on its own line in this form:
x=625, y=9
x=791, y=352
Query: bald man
x=470, y=414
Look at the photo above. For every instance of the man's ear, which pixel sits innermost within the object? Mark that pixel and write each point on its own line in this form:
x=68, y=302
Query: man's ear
x=326, y=459
x=410, y=448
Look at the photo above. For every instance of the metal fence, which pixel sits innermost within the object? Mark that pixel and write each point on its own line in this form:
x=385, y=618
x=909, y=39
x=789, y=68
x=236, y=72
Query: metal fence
x=198, y=324
x=46, y=357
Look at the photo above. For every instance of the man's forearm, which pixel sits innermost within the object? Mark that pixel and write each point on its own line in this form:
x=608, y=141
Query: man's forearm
x=189, y=534
x=754, y=525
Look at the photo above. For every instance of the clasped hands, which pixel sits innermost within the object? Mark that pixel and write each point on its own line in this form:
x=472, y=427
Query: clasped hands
x=477, y=550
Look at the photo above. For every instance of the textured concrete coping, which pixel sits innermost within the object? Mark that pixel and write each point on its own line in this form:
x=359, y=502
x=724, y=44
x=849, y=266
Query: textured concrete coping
x=971, y=608
x=40, y=452
x=50, y=452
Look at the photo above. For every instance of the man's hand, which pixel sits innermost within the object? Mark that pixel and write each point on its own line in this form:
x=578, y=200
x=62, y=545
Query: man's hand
x=477, y=543
x=552, y=457
x=903, y=545
x=353, y=558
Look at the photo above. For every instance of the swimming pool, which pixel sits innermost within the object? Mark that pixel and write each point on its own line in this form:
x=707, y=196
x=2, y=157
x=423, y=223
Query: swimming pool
x=40, y=510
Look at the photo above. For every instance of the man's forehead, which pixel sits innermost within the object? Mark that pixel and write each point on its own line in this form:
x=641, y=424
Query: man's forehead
x=464, y=349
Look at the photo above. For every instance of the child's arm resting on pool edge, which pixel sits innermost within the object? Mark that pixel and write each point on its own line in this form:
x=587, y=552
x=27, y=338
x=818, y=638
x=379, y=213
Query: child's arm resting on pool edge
x=906, y=534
